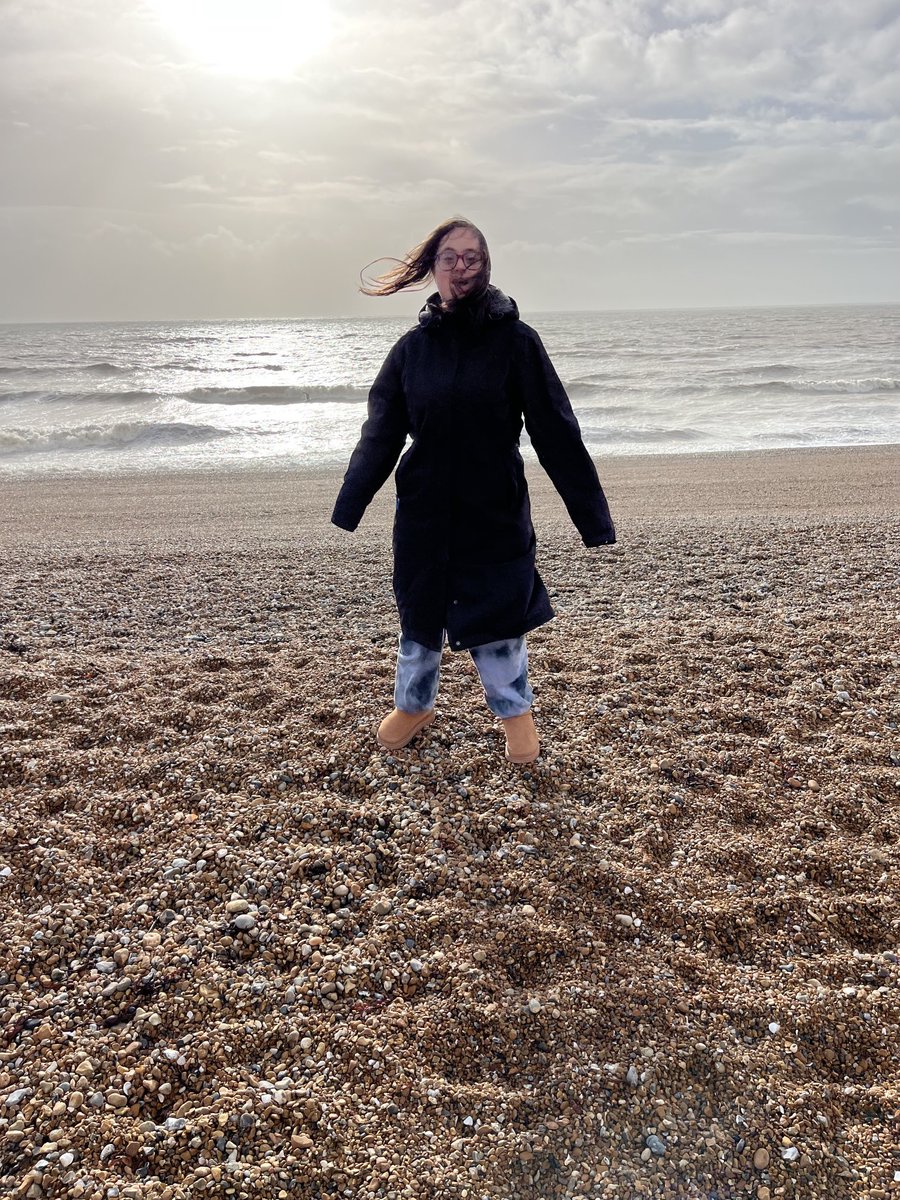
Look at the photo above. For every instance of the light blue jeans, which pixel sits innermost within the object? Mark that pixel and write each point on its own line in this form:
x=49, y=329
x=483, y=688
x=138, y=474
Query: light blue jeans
x=502, y=667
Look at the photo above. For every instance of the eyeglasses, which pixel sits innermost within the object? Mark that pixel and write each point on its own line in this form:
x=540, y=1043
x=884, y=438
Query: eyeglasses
x=447, y=259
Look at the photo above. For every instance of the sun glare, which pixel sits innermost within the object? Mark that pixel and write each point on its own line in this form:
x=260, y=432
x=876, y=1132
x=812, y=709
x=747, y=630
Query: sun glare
x=260, y=38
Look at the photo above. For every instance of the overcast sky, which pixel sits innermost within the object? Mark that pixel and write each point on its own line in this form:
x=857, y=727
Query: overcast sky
x=216, y=158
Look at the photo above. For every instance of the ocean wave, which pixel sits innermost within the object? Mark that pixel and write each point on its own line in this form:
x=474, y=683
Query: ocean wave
x=264, y=366
x=42, y=396
x=122, y=435
x=584, y=389
x=779, y=368
x=103, y=368
x=811, y=387
x=840, y=435
x=596, y=377
x=853, y=387
x=263, y=394
x=193, y=340
x=594, y=411
x=20, y=372
x=652, y=436
x=90, y=368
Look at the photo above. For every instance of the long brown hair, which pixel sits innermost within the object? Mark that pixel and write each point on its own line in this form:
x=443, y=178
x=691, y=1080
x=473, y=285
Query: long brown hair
x=418, y=263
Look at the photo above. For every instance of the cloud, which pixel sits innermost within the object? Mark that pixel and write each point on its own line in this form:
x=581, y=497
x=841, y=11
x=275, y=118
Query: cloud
x=191, y=184
x=593, y=128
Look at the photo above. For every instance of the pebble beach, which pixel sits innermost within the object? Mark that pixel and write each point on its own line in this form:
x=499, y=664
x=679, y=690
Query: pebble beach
x=246, y=953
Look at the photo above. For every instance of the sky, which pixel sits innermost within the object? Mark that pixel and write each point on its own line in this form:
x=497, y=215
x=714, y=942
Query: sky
x=189, y=159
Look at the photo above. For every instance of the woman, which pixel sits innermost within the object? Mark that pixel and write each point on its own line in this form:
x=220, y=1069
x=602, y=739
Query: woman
x=459, y=385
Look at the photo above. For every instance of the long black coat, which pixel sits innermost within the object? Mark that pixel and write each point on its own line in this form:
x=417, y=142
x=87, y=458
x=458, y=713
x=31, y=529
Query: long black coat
x=460, y=385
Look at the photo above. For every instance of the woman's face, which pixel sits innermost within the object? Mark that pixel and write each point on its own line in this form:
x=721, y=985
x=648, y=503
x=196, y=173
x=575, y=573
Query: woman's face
x=456, y=281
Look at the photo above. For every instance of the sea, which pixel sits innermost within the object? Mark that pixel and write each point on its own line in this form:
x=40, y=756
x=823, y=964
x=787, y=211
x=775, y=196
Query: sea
x=247, y=394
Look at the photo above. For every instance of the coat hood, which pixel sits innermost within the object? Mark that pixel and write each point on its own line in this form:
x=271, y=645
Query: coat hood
x=491, y=305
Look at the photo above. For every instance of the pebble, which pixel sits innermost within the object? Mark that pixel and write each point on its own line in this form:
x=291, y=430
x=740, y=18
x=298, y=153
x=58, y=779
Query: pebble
x=245, y=921
x=437, y=969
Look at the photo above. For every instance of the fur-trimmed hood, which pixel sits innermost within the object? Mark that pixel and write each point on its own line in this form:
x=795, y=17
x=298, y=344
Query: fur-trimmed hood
x=491, y=305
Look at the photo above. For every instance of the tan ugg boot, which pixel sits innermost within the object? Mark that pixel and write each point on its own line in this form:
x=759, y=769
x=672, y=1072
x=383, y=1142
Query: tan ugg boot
x=399, y=727
x=522, y=745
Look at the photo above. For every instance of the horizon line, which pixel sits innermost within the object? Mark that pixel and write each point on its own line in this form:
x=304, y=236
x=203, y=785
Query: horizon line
x=394, y=316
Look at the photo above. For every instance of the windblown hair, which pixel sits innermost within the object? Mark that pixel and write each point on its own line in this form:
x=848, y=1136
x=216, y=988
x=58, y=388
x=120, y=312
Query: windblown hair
x=419, y=263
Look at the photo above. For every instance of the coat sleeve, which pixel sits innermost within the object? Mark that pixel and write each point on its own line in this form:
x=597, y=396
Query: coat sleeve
x=378, y=448
x=556, y=437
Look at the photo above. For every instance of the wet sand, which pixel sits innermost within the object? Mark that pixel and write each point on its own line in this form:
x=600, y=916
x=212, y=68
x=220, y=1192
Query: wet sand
x=247, y=953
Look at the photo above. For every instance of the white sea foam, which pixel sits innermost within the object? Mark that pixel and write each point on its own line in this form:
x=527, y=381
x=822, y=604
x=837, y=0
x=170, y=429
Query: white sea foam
x=801, y=387
x=120, y=435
